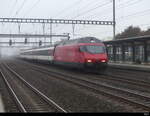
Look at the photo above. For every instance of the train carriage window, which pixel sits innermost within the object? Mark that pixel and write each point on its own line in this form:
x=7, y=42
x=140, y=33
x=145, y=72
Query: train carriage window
x=39, y=52
x=82, y=49
x=93, y=49
x=43, y=52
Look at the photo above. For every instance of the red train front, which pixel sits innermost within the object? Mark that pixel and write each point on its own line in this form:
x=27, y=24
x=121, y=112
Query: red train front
x=82, y=53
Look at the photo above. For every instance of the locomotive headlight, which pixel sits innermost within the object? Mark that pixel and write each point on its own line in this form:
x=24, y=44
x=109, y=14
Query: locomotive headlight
x=89, y=60
x=103, y=60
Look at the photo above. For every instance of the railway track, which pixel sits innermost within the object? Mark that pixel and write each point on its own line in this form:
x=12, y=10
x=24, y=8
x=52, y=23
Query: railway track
x=116, y=78
x=129, y=70
x=119, y=78
x=126, y=96
x=126, y=80
x=27, y=97
x=135, y=74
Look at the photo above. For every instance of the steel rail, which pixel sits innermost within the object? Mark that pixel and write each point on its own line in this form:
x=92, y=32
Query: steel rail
x=48, y=100
x=119, y=78
x=19, y=104
x=97, y=90
x=131, y=81
x=55, y=74
x=64, y=77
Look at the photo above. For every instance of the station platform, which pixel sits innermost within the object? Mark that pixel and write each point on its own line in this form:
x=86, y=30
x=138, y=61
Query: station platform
x=1, y=105
x=138, y=67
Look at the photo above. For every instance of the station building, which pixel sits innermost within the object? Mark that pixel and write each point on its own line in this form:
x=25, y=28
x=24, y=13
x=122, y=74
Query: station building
x=129, y=50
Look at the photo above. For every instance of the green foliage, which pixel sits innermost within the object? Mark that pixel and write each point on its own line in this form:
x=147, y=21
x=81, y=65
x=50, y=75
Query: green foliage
x=132, y=32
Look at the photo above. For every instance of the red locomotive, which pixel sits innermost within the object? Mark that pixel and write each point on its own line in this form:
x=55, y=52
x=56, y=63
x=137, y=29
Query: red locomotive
x=86, y=52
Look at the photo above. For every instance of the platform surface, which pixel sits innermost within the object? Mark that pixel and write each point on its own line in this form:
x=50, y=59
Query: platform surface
x=1, y=105
x=130, y=66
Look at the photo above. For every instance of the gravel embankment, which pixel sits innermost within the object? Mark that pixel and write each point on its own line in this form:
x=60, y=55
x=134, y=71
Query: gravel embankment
x=71, y=97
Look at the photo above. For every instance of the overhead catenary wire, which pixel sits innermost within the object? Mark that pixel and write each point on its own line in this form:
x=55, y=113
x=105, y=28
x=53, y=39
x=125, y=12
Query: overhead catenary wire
x=76, y=6
x=92, y=9
x=127, y=4
x=21, y=6
x=31, y=8
x=12, y=10
x=133, y=3
x=90, y=3
x=87, y=11
x=107, y=11
x=68, y=7
x=13, y=7
x=83, y=8
x=135, y=14
x=120, y=21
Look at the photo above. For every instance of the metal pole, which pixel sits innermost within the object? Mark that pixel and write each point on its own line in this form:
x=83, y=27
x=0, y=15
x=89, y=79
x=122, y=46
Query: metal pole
x=73, y=28
x=114, y=20
x=51, y=33
x=44, y=33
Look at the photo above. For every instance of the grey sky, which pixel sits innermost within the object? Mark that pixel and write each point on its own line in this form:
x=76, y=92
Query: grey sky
x=128, y=12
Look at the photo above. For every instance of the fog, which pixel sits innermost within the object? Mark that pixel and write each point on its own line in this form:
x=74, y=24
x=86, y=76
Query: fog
x=9, y=52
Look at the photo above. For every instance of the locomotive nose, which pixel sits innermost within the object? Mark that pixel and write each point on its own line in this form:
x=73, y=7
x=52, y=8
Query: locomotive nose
x=96, y=58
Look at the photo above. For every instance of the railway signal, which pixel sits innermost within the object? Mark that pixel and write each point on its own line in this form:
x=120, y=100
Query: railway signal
x=25, y=41
x=10, y=42
x=40, y=43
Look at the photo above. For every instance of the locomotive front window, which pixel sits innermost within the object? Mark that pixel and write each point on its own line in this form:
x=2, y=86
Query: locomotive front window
x=93, y=49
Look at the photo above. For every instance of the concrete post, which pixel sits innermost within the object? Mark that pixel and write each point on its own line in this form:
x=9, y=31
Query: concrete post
x=114, y=53
x=133, y=52
x=123, y=52
x=145, y=52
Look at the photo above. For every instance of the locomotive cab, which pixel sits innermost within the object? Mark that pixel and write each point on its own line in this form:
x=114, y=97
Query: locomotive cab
x=94, y=55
